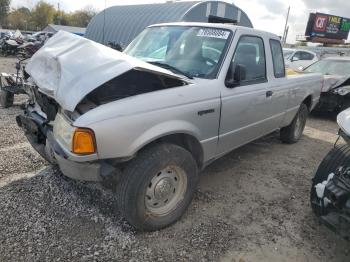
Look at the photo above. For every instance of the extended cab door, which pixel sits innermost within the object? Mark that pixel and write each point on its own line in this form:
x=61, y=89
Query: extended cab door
x=280, y=89
x=244, y=113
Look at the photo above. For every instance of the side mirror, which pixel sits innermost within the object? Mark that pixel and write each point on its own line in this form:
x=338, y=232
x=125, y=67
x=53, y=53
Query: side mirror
x=235, y=76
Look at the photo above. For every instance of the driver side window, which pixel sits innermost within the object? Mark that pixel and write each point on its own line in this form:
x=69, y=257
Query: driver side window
x=250, y=54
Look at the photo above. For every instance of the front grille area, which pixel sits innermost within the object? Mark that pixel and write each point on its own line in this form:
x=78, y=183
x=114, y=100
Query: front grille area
x=47, y=104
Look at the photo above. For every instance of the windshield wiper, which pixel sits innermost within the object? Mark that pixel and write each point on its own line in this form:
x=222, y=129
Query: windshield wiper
x=171, y=68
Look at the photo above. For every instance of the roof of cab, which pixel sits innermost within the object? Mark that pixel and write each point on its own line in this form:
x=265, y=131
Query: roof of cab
x=219, y=25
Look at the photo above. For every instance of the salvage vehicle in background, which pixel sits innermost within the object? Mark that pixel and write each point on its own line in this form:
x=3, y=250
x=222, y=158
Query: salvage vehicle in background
x=13, y=84
x=335, y=95
x=149, y=119
x=330, y=191
x=296, y=58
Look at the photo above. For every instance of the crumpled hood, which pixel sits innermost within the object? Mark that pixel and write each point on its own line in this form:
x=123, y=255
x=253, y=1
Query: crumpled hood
x=68, y=67
x=333, y=81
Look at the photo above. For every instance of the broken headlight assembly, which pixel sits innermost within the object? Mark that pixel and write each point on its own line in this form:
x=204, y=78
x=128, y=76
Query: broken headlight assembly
x=344, y=90
x=78, y=140
x=63, y=130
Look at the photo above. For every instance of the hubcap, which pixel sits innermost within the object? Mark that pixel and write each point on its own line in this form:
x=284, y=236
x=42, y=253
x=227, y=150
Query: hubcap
x=165, y=190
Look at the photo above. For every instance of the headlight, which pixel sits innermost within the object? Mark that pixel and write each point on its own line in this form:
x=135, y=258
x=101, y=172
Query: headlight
x=78, y=140
x=344, y=90
x=63, y=131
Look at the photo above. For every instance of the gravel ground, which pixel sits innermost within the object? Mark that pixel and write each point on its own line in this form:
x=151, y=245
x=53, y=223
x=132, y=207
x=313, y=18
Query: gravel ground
x=251, y=205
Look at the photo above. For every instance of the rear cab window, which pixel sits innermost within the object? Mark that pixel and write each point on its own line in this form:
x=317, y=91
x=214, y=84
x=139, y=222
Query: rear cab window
x=277, y=58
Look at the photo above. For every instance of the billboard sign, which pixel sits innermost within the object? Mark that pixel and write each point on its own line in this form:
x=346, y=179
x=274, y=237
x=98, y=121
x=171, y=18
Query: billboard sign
x=328, y=26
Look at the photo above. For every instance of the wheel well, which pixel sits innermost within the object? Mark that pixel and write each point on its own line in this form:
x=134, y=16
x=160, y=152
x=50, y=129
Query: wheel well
x=186, y=141
x=308, y=102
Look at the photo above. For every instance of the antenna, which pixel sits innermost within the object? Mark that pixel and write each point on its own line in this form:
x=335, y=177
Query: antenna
x=104, y=23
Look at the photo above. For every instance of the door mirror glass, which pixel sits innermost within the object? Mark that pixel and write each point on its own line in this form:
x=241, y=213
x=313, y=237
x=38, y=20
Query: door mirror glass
x=235, y=76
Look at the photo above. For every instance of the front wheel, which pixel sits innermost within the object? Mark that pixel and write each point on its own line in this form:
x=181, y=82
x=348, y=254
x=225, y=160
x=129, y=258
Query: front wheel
x=157, y=186
x=292, y=133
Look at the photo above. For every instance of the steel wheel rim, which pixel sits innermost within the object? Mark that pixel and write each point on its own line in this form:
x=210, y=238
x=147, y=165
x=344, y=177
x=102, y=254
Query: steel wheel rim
x=166, y=190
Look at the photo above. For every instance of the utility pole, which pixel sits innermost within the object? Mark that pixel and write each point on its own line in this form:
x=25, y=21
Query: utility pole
x=284, y=38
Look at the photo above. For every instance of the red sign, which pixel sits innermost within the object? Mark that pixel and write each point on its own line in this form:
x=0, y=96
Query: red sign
x=327, y=26
x=320, y=23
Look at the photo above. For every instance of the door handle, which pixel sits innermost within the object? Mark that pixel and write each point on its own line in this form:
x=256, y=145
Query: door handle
x=269, y=93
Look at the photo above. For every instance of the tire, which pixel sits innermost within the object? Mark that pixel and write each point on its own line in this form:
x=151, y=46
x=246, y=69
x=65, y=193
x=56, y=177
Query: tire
x=337, y=157
x=292, y=133
x=160, y=167
x=6, y=98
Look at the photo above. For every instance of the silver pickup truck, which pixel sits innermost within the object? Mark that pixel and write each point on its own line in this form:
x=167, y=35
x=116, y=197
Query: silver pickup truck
x=147, y=120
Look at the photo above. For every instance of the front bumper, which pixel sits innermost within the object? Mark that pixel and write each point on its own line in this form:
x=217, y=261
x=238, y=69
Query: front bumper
x=330, y=102
x=40, y=136
x=79, y=171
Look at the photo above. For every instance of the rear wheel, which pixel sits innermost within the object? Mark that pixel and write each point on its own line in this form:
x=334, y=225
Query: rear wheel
x=6, y=98
x=157, y=186
x=337, y=157
x=292, y=133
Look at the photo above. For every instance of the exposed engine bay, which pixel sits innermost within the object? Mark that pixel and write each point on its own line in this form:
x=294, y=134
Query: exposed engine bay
x=131, y=83
x=334, y=201
x=112, y=76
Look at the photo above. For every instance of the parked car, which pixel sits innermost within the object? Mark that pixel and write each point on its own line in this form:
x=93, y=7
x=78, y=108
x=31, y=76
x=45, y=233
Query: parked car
x=299, y=58
x=40, y=36
x=330, y=191
x=150, y=124
x=335, y=95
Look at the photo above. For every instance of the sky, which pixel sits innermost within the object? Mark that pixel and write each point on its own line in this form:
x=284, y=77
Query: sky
x=268, y=15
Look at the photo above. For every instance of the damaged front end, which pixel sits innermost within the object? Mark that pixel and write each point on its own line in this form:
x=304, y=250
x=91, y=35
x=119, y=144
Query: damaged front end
x=53, y=141
x=68, y=68
x=71, y=76
x=335, y=95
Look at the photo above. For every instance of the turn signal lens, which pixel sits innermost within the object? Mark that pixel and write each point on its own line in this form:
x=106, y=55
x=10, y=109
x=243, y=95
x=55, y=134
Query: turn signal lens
x=83, y=141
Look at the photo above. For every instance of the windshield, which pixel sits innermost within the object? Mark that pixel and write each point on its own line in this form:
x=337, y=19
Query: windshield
x=287, y=53
x=192, y=51
x=330, y=67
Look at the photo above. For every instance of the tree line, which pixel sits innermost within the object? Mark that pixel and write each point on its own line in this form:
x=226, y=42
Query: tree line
x=42, y=14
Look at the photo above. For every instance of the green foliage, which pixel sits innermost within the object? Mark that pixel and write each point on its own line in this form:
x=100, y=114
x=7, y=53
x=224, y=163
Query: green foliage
x=81, y=18
x=19, y=18
x=43, y=14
